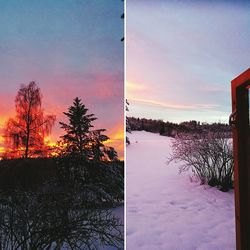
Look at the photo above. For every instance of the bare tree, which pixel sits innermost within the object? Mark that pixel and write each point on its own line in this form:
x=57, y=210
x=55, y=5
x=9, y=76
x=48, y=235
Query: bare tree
x=208, y=155
x=31, y=220
x=28, y=129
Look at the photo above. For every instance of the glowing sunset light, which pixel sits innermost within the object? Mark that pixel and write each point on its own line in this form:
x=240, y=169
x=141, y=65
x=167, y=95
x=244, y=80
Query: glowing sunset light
x=1, y=139
x=135, y=87
x=136, y=90
x=116, y=140
x=49, y=142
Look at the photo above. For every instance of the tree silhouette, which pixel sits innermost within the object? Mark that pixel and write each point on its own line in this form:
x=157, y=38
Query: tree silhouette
x=77, y=137
x=97, y=139
x=30, y=220
x=99, y=150
x=27, y=130
x=80, y=140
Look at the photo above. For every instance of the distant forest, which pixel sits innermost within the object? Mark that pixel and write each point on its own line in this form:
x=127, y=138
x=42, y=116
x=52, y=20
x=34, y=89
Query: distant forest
x=173, y=129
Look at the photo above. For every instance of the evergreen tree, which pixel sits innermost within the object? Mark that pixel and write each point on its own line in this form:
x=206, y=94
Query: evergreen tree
x=83, y=152
x=112, y=154
x=101, y=152
x=97, y=146
x=77, y=137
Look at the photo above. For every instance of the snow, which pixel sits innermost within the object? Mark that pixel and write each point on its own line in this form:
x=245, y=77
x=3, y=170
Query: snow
x=165, y=211
x=118, y=212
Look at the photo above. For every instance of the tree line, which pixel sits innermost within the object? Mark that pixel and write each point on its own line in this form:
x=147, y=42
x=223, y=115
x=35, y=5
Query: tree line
x=173, y=129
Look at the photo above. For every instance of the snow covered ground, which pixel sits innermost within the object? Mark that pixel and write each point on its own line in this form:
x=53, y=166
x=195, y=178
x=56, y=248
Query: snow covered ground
x=165, y=211
x=118, y=212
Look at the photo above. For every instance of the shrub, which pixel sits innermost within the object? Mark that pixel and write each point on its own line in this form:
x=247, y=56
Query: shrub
x=31, y=220
x=208, y=155
x=26, y=174
x=101, y=183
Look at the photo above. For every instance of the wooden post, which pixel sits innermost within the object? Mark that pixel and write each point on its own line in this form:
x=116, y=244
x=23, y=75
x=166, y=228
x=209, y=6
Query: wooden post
x=241, y=142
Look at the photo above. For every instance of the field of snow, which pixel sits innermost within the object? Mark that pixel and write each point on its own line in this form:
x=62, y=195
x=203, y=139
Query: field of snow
x=165, y=211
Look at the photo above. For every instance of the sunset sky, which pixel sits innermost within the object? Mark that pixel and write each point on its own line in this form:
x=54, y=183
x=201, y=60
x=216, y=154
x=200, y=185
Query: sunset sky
x=182, y=56
x=70, y=48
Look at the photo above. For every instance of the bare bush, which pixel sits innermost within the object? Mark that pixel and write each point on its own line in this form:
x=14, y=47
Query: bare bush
x=55, y=221
x=208, y=155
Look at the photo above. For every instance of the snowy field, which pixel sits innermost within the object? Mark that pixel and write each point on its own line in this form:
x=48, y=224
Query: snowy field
x=165, y=211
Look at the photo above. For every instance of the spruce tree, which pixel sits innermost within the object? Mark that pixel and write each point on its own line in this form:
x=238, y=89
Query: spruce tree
x=101, y=152
x=77, y=137
x=97, y=146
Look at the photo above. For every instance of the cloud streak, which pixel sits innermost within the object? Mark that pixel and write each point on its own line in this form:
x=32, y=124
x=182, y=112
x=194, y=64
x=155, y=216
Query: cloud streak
x=173, y=106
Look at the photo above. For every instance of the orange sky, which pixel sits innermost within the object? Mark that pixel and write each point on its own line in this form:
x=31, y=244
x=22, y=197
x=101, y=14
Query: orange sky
x=115, y=132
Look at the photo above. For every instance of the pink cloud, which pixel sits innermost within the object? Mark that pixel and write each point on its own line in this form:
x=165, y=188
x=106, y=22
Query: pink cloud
x=172, y=105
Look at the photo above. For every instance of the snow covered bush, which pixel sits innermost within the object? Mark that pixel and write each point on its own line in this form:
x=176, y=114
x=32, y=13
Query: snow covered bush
x=100, y=183
x=208, y=155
